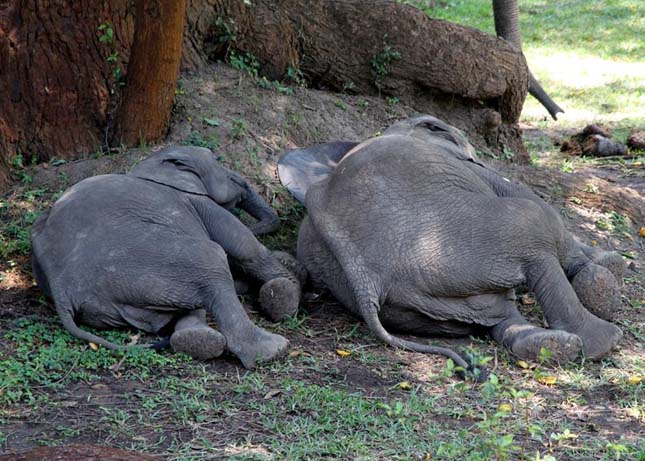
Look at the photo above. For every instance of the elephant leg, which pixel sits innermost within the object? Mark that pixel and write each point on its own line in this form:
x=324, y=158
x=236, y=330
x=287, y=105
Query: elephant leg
x=564, y=311
x=247, y=341
x=194, y=337
x=280, y=296
x=195, y=275
x=527, y=341
x=324, y=269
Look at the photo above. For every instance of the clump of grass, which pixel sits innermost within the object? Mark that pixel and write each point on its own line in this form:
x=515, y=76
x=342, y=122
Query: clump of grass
x=48, y=358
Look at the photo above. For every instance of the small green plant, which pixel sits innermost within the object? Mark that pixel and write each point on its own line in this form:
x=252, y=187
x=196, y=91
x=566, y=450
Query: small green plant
x=568, y=165
x=392, y=101
x=340, y=104
x=295, y=76
x=246, y=62
x=545, y=355
x=195, y=138
x=614, y=222
x=348, y=87
x=227, y=28
x=507, y=153
x=238, y=128
x=619, y=222
x=274, y=85
x=382, y=62
x=18, y=161
x=106, y=36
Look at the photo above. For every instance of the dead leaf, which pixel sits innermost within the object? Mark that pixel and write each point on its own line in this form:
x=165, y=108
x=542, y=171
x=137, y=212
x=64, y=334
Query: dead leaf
x=527, y=299
x=94, y=347
x=505, y=408
x=642, y=232
x=69, y=403
x=633, y=412
x=405, y=385
x=523, y=364
x=634, y=379
x=343, y=352
x=134, y=339
x=272, y=393
x=547, y=380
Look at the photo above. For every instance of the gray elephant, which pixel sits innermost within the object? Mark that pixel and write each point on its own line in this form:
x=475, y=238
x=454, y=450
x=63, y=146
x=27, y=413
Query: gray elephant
x=151, y=250
x=411, y=231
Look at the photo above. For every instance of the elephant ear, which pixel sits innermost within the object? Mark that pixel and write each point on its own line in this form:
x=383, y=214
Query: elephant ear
x=300, y=168
x=435, y=131
x=175, y=167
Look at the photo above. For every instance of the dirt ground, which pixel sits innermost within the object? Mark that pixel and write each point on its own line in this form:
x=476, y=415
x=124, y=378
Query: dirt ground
x=600, y=405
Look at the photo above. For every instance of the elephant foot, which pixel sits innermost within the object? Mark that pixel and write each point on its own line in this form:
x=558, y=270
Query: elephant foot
x=564, y=347
x=255, y=345
x=279, y=298
x=598, y=290
x=612, y=261
x=598, y=337
x=201, y=342
x=293, y=265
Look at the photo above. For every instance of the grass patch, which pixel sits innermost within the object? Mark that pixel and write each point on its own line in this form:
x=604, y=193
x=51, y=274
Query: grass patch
x=589, y=55
x=45, y=358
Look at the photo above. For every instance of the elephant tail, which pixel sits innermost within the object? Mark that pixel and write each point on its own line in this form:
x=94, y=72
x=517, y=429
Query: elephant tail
x=369, y=312
x=365, y=284
x=67, y=319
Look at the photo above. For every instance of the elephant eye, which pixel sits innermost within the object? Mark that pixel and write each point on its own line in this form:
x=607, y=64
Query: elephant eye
x=237, y=180
x=181, y=165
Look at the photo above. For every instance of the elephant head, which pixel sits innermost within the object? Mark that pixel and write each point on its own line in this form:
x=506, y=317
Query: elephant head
x=195, y=170
x=300, y=168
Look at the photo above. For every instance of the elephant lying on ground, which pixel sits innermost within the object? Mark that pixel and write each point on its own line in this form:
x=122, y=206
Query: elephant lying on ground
x=151, y=250
x=411, y=231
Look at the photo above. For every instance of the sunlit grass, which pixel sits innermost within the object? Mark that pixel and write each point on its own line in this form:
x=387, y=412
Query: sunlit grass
x=588, y=54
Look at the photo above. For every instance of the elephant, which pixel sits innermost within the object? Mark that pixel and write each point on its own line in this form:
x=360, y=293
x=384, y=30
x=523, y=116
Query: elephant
x=410, y=231
x=151, y=249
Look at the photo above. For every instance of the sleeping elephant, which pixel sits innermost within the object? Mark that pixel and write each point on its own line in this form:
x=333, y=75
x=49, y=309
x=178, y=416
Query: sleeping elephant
x=410, y=231
x=151, y=250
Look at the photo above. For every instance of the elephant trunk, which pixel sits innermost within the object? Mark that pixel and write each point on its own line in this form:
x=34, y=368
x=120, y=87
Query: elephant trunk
x=255, y=205
x=507, y=26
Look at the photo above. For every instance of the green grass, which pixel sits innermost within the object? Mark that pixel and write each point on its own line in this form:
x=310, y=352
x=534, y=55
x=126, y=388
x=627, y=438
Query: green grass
x=588, y=55
x=16, y=217
x=46, y=357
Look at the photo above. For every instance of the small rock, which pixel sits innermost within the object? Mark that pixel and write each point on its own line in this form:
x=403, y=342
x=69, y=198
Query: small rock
x=597, y=129
x=636, y=140
x=600, y=146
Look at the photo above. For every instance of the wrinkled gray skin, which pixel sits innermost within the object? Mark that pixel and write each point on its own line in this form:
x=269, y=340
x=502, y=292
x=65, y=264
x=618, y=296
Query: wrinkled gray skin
x=411, y=231
x=151, y=250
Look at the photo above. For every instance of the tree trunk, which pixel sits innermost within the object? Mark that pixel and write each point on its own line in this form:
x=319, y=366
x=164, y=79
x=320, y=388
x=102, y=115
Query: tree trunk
x=55, y=77
x=58, y=101
x=152, y=74
x=507, y=26
x=456, y=73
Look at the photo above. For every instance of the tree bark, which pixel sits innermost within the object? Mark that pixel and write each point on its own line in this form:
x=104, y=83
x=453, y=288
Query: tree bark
x=152, y=74
x=55, y=78
x=58, y=91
